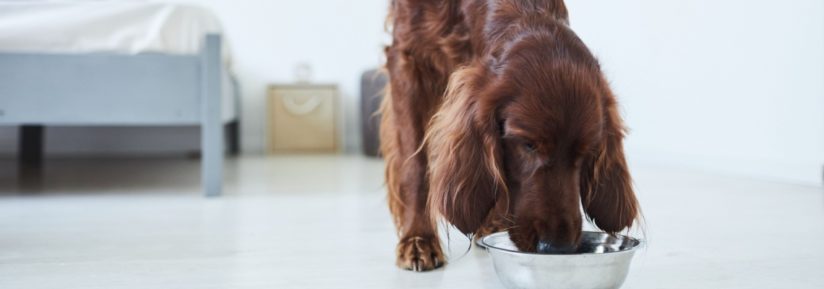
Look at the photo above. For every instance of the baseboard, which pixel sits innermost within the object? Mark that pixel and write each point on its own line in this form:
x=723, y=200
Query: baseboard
x=807, y=174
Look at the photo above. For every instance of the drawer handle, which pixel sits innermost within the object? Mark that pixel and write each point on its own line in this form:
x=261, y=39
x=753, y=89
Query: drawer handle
x=293, y=107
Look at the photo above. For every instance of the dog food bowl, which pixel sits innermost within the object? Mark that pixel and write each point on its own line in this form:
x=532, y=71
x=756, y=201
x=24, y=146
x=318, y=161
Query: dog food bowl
x=601, y=261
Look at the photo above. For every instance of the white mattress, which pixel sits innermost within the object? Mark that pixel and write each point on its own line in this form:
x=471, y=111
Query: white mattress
x=104, y=26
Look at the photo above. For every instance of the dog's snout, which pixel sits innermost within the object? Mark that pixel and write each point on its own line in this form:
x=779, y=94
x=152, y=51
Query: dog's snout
x=557, y=235
x=549, y=248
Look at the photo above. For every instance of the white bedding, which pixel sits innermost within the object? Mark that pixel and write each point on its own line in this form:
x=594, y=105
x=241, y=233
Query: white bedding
x=129, y=27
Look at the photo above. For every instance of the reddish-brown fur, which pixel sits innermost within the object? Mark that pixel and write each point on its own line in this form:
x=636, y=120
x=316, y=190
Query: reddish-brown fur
x=498, y=117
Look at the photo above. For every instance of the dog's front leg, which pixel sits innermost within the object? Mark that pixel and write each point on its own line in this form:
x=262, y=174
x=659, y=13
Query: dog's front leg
x=405, y=115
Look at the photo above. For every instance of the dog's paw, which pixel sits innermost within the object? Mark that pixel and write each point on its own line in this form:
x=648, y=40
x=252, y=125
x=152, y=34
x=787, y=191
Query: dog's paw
x=420, y=254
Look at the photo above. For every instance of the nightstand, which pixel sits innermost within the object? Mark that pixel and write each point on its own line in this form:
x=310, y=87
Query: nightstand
x=303, y=118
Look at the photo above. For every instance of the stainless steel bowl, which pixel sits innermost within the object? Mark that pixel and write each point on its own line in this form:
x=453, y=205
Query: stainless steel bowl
x=601, y=262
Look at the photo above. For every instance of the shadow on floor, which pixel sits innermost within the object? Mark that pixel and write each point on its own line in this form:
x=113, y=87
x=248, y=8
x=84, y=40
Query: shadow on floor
x=101, y=176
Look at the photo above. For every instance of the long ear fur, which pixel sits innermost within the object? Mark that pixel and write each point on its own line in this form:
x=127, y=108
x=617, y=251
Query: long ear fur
x=464, y=154
x=606, y=187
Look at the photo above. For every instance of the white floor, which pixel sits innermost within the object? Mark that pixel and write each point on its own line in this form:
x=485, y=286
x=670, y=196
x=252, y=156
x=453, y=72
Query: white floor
x=322, y=222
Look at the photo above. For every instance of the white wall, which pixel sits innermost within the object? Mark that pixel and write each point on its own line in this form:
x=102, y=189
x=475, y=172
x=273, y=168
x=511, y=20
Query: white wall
x=731, y=86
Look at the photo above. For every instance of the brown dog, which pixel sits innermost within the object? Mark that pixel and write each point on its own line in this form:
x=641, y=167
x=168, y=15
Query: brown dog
x=498, y=117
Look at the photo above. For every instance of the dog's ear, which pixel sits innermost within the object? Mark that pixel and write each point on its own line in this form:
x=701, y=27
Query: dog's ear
x=464, y=153
x=606, y=187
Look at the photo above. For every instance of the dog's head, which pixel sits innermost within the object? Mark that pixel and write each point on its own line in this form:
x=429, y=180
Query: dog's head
x=532, y=127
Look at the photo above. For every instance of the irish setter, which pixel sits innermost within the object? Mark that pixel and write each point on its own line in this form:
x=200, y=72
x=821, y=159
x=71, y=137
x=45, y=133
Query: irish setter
x=498, y=117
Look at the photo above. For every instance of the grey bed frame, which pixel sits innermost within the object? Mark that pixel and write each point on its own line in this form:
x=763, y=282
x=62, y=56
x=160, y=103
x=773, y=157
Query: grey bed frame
x=38, y=89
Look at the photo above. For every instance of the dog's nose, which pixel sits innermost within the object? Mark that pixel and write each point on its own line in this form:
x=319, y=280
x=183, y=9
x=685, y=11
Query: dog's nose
x=546, y=247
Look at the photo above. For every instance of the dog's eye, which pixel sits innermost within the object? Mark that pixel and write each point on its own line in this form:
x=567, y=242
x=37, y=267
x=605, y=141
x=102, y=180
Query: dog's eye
x=529, y=147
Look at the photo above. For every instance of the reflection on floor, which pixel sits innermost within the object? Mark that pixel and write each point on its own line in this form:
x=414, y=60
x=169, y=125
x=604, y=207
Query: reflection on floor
x=322, y=222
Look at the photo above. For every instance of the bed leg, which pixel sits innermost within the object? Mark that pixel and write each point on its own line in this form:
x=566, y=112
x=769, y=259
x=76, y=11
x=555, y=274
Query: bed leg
x=212, y=160
x=233, y=136
x=31, y=151
x=212, y=124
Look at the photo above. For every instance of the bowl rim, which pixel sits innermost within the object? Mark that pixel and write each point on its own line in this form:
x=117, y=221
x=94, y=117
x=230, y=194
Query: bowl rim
x=638, y=244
